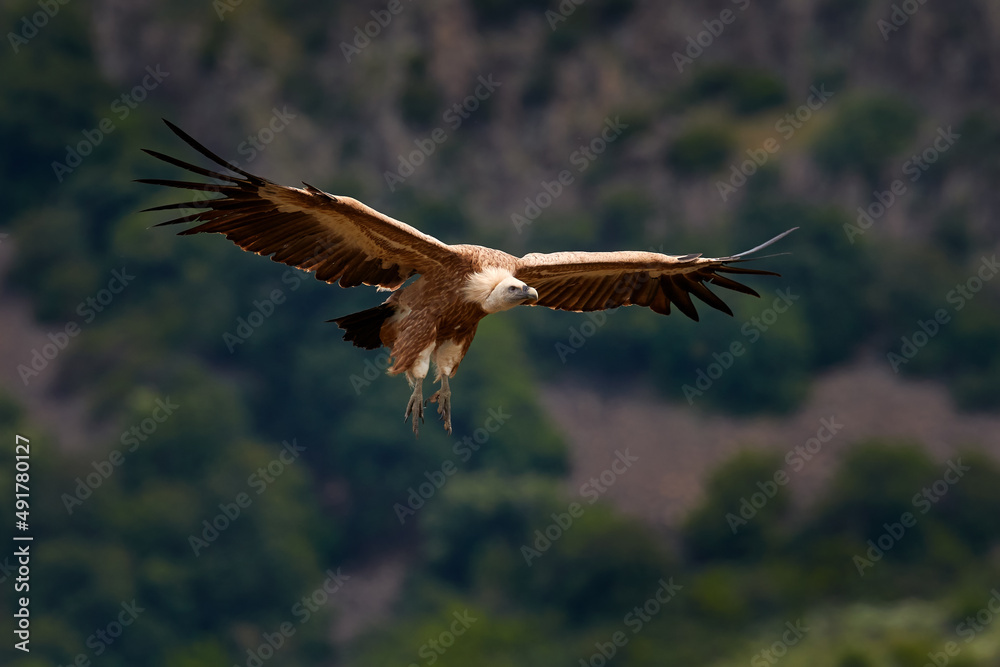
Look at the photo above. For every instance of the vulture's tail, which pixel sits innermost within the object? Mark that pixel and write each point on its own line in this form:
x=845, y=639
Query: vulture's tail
x=363, y=328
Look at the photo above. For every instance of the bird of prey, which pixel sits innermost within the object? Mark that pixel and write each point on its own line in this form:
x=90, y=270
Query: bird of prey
x=434, y=318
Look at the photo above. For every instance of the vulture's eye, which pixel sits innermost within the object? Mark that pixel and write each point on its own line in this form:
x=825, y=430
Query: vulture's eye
x=511, y=289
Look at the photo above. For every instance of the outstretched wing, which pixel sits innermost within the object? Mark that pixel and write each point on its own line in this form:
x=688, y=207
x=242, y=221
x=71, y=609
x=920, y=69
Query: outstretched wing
x=338, y=238
x=585, y=281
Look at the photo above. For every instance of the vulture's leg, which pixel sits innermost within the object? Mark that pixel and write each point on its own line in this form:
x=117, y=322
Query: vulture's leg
x=416, y=376
x=416, y=405
x=443, y=398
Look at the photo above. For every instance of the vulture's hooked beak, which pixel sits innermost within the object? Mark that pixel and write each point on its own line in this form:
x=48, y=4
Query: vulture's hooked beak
x=530, y=293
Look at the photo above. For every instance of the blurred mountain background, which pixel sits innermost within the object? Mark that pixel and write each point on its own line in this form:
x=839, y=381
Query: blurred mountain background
x=217, y=479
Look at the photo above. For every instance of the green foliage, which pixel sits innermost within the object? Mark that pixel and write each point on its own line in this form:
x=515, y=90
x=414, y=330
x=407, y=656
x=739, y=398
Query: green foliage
x=953, y=234
x=574, y=23
x=823, y=267
x=746, y=89
x=502, y=535
x=130, y=539
x=966, y=503
x=503, y=510
x=622, y=217
x=962, y=349
x=980, y=143
x=701, y=149
x=59, y=290
x=764, y=340
x=729, y=525
x=420, y=101
x=854, y=658
x=50, y=93
x=540, y=86
x=500, y=13
x=495, y=638
x=497, y=380
x=966, y=352
x=876, y=488
x=875, y=484
x=716, y=594
x=841, y=18
x=865, y=134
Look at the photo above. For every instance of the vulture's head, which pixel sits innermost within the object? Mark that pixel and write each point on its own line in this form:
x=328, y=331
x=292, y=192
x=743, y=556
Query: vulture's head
x=496, y=291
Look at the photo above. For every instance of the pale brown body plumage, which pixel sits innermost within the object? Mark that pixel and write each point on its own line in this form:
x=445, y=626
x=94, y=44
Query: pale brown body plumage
x=432, y=320
x=438, y=311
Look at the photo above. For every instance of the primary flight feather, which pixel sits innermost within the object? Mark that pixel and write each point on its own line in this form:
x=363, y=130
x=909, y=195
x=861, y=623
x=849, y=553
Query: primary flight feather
x=434, y=318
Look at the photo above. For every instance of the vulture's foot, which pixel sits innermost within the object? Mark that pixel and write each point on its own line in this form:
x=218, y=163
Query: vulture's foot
x=415, y=407
x=443, y=398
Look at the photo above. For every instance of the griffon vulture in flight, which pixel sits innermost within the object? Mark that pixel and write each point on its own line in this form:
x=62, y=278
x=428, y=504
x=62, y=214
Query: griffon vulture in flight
x=434, y=318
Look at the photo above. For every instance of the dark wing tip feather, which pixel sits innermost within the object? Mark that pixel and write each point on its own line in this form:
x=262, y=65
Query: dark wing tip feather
x=190, y=141
x=682, y=288
x=190, y=185
x=699, y=290
x=190, y=167
x=729, y=284
x=676, y=291
x=176, y=221
x=186, y=204
x=740, y=269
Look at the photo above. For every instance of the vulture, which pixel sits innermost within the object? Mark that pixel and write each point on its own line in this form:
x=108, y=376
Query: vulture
x=433, y=319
